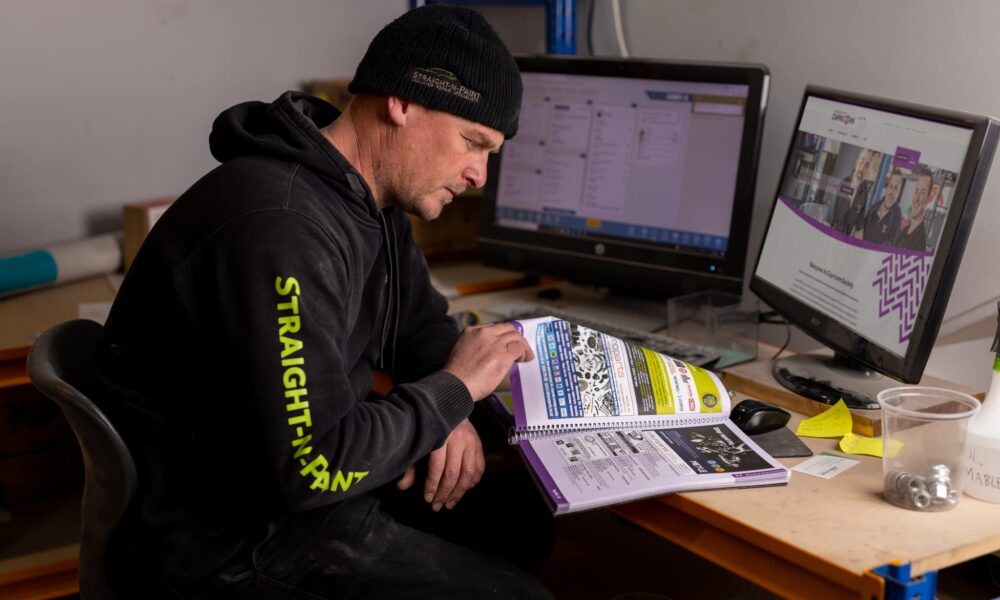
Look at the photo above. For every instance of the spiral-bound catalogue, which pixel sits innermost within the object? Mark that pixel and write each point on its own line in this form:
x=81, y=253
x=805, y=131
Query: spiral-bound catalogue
x=600, y=421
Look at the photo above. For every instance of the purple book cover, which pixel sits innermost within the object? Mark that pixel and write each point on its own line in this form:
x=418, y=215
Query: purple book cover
x=544, y=480
x=515, y=387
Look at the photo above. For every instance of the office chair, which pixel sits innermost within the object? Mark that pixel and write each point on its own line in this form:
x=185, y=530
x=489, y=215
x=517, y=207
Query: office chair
x=60, y=364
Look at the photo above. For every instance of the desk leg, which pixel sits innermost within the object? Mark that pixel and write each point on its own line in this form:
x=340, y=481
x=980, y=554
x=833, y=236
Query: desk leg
x=899, y=585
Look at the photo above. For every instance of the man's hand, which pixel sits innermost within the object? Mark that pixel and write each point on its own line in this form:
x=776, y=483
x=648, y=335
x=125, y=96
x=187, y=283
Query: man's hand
x=484, y=354
x=407, y=479
x=454, y=468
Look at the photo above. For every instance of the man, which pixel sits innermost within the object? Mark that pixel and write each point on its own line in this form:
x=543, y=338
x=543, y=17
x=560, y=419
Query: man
x=882, y=220
x=852, y=197
x=913, y=233
x=241, y=348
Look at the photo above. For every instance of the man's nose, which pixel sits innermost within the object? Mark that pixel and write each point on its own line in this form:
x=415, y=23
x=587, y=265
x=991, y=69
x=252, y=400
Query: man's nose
x=476, y=173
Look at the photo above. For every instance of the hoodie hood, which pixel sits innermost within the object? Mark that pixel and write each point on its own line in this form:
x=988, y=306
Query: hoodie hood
x=287, y=129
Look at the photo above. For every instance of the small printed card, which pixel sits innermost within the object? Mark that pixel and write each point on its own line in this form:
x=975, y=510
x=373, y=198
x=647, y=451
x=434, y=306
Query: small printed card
x=825, y=465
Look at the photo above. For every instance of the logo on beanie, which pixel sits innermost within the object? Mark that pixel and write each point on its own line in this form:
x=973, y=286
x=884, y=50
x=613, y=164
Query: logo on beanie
x=446, y=81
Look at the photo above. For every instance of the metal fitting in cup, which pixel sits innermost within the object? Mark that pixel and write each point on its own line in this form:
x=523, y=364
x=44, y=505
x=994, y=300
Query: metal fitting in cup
x=939, y=491
x=939, y=473
x=919, y=498
x=897, y=482
x=924, y=432
x=939, y=485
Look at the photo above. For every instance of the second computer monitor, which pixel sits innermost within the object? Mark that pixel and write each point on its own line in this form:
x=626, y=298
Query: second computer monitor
x=633, y=175
x=866, y=235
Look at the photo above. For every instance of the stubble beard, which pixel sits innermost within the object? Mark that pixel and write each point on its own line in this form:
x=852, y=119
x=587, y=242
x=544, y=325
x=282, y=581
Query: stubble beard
x=422, y=207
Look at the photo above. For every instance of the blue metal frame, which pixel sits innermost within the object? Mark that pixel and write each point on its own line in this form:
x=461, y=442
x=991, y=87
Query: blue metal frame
x=560, y=30
x=900, y=586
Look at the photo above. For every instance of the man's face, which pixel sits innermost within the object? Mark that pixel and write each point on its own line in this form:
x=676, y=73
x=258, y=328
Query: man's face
x=860, y=166
x=892, y=189
x=436, y=155
x=921, y=193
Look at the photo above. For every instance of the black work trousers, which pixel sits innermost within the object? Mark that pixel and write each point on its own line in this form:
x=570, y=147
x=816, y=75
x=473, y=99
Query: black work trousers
x=390, y=544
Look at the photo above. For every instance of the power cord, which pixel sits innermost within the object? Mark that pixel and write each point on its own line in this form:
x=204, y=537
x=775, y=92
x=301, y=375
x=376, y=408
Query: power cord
x=773, y=318
x=590, y=28
x=616, y=12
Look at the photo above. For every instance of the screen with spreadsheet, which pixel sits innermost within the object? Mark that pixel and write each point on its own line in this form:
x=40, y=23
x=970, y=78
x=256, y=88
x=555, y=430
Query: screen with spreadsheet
x=651, y=155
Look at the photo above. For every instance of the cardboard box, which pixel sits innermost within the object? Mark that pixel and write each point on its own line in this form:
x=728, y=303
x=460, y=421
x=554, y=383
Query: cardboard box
x=137, y=220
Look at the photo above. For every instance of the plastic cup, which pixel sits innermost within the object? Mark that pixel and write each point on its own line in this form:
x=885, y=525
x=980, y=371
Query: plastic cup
x=923, y=446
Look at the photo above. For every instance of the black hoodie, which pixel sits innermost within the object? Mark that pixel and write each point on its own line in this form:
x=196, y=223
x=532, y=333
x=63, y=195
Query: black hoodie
x=241, y=347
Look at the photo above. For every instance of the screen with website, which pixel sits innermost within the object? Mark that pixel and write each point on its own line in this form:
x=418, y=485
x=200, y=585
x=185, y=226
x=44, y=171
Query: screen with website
x=645, y=160
x=860, y=210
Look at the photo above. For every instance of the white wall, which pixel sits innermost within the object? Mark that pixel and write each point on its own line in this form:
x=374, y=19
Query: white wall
x=105, y=102
x=926, y=51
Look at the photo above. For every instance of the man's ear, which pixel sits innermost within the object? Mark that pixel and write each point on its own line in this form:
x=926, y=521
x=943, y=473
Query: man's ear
x=397, y=110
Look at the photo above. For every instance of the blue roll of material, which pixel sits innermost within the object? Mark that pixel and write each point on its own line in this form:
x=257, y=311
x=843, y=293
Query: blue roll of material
x=60, y=263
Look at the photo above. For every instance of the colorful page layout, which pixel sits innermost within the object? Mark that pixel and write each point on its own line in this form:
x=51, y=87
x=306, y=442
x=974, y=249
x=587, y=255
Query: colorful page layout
x=583, y=470
x=582, y=378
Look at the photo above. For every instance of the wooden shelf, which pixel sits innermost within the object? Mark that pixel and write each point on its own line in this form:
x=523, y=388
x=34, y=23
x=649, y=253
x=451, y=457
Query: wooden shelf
x=39, y=549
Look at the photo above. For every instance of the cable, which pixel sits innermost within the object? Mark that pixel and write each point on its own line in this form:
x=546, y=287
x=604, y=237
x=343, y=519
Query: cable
x=788, y=338
x=773, y=318
x=616, y=11
x=590, y=28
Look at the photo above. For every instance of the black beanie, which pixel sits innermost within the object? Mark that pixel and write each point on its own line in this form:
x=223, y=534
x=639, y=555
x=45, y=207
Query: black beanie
x=447, y=58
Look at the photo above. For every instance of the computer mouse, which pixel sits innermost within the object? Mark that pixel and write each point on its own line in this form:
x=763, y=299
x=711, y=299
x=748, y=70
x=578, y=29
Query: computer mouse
x=755, y=416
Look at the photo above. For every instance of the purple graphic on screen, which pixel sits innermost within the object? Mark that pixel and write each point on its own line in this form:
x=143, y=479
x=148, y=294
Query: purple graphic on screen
x=905, y=158
x=900, y=283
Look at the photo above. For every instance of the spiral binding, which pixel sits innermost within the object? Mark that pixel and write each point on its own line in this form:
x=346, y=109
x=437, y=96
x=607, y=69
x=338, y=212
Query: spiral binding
x=537, y=432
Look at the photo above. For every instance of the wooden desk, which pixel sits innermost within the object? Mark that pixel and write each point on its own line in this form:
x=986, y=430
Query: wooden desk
x=25, y=316
x=819, y=538
x=814, y=538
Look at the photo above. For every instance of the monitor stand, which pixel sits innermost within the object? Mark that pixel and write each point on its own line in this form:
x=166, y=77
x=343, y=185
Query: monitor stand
x=827, y=379
x=622, y=310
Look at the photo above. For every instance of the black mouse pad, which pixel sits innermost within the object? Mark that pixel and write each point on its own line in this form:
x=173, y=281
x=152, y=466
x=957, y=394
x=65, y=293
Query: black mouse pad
x=781, y=443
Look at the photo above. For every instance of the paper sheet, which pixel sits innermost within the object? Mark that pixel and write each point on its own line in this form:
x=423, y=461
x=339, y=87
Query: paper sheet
x=825, y=465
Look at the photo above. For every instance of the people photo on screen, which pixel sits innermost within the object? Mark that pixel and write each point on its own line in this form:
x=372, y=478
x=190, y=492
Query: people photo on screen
x=852, y=197
x=883, y=219
x=912, y=235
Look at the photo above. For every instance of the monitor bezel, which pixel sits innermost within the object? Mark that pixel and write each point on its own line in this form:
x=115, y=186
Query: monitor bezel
x=631, y=265
x=954, y=236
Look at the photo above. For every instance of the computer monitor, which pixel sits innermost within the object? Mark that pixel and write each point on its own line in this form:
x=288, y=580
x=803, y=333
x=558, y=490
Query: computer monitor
x=870, y=221
x=632, y=175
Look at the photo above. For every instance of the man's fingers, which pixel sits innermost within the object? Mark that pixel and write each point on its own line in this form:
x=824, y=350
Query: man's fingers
x=473, y=465
x=407, y=479
x=482, y=357
x=516, y=346
x=435, y=467
x=450, y=478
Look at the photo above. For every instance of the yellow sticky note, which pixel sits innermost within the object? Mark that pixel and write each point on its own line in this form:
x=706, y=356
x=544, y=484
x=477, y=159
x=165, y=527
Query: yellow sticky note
x=855, y=444
x=833, y=422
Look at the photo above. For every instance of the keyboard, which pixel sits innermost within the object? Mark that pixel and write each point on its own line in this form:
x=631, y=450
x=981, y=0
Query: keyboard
x=694, y=354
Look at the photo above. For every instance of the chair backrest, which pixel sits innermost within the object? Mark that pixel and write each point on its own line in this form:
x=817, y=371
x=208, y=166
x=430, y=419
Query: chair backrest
x=61, y=364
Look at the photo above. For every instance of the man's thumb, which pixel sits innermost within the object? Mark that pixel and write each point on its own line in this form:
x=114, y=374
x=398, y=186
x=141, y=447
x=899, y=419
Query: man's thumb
x=407, y=479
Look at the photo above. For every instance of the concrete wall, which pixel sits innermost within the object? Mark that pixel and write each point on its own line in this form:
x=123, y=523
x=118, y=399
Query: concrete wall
x=105, y=102
x=925, y=51
x=110, y=101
